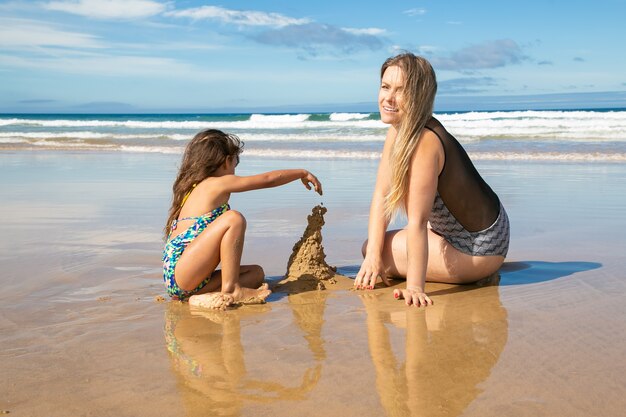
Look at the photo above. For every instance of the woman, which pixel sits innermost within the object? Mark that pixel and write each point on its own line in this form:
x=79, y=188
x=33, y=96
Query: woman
x=457, y=231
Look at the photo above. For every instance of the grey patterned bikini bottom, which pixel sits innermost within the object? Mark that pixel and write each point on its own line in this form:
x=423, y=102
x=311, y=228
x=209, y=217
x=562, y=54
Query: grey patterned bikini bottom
x=494, y=240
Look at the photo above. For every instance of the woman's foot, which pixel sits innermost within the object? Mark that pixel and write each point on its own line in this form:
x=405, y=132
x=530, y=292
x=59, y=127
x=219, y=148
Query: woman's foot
x=212, y=300
x=244, y=295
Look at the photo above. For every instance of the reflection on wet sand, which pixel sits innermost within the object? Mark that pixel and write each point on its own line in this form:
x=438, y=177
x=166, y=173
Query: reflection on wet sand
x=424, y=362
x=209, y=358
x=308, y=312
x=450, y=349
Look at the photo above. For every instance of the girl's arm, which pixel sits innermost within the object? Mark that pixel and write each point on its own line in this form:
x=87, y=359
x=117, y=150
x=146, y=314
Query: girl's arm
x=426, y=164
x=372, y=266
x=237, y=184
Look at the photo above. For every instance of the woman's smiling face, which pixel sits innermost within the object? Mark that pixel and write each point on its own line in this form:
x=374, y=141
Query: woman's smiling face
x=391, y=96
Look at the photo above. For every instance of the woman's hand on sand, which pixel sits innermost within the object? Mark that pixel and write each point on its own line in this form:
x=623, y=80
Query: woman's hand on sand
x=413, y=296
x=309, y=179
x=371, y=270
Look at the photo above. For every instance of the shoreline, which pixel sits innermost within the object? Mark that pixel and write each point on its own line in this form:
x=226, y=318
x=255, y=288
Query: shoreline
x=308, y=156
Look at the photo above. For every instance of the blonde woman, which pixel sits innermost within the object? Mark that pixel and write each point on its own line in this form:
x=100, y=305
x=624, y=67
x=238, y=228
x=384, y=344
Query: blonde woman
x=457, y=230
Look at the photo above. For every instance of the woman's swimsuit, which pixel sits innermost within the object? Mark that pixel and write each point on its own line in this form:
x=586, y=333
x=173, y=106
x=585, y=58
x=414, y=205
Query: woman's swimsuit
x=466, y=212
x=174, y=249
x=494, y=240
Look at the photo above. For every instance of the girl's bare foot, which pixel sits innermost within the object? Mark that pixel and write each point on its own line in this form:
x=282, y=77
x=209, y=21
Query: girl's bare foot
x=250, y=296
x=211, y=300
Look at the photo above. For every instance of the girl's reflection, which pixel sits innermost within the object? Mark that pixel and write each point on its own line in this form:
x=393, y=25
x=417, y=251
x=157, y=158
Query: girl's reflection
x=450, y=349
x=207, y=354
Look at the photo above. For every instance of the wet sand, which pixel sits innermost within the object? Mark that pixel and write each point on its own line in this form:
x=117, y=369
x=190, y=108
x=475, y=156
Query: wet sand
x=84, y=332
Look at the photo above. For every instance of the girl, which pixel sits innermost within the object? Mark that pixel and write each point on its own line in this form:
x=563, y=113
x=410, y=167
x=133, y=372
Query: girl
x=202, y=232
x=425, y=172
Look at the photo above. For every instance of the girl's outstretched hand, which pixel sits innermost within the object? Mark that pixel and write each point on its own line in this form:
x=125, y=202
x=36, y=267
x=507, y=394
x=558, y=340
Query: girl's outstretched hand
x=309, y=179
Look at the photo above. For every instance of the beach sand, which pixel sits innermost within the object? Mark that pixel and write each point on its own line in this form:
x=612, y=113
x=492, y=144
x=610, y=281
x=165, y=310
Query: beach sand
x=84, y=328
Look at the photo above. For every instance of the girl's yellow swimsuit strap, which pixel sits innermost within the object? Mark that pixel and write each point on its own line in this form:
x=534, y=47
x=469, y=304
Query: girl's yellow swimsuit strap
x=187, y=195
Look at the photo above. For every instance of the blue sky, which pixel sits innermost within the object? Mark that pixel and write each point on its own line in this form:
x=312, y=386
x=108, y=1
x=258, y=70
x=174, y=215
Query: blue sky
x=153, y=55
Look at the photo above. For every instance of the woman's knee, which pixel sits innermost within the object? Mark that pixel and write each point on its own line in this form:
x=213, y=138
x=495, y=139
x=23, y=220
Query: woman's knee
x=364, y=248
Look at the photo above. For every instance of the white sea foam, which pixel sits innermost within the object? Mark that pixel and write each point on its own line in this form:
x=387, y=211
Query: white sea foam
x=546, y=135
x=342, y=117
x=309, y=136
x=557, y=125
x=312, y=136
x=563, y=125
x=151, y=149
x=617, y=157
x=279, y=118
x=311, y=154
x=86, y=135
x=12, y=121
x=533, y=114
x=271, y=153
x=476, y=156
x=255, y=122
x=549, y=156
x=51, y=144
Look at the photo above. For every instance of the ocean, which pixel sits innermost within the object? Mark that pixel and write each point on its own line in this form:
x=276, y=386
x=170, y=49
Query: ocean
x=568, y=135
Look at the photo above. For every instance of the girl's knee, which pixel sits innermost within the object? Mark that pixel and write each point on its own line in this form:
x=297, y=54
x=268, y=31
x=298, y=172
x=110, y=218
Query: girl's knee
x=235, y=219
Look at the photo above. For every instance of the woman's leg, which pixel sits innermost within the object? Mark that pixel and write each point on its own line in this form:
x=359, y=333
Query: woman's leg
x=445, y=262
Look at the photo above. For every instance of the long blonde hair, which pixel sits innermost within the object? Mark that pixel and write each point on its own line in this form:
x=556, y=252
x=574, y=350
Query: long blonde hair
x=204, y=154
x=420, y=87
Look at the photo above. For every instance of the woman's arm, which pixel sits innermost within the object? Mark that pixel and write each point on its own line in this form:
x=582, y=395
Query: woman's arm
x=237, y=184
x=372, y=266
x=426, y=164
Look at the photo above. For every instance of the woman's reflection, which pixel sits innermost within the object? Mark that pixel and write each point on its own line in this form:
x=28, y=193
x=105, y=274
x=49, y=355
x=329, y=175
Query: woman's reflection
x=450, y=349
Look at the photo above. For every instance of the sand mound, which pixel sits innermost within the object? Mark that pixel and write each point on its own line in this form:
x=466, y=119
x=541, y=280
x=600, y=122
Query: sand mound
x=307, y=268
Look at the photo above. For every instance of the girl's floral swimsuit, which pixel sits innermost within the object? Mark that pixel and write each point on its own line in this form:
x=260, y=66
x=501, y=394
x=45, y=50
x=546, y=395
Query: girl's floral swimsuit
x=175, y=247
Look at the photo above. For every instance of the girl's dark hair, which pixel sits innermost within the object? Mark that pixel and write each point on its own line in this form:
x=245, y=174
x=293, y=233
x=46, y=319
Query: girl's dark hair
x=204, y=154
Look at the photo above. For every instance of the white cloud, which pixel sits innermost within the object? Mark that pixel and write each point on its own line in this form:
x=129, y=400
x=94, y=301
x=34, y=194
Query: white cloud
x=415, y=12
x=314, y=39
x=244, y=18
x=427, y=49
x=32, y=33
x=367, y=31
x=491, y=54
x=106, y=65
x=108, y=9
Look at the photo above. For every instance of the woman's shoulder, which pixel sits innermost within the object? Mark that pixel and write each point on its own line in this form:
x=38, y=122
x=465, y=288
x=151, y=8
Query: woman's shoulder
x=429, y=139
x=429, y=147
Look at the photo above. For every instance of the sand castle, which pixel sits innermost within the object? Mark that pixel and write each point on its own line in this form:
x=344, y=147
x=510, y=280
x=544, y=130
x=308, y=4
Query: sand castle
x=307, y=268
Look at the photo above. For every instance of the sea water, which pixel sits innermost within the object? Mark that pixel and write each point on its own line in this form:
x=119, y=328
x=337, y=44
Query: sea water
x=572, y=135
